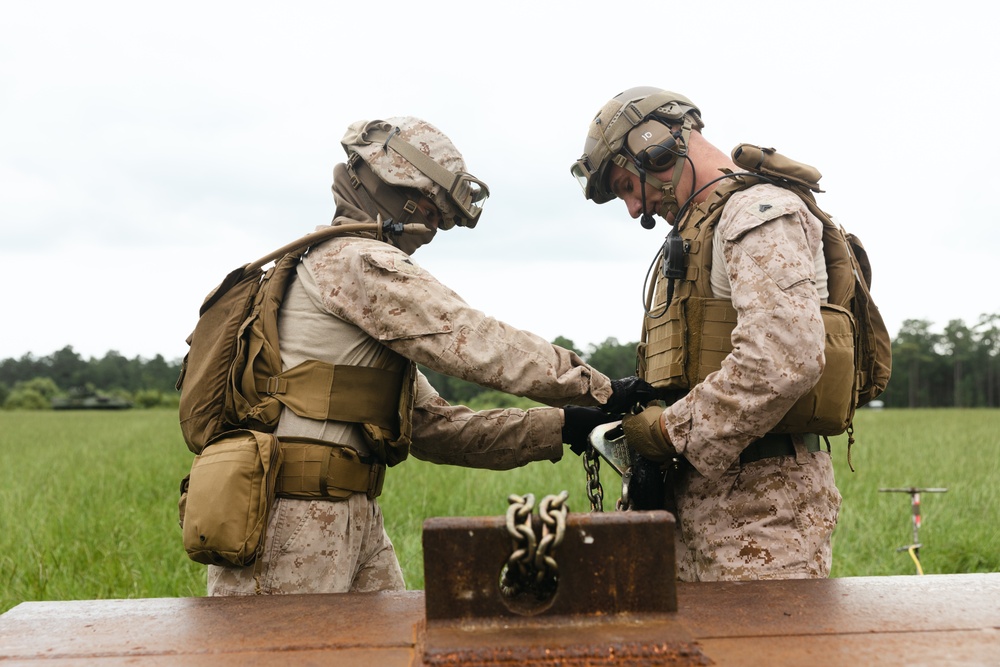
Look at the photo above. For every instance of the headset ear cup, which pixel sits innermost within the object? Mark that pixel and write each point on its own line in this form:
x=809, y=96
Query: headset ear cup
x=660, y=156
x=653, y=144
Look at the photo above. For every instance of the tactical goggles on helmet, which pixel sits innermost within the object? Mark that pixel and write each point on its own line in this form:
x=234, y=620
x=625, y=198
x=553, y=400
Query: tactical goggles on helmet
x=466, y=194
x=584, y=171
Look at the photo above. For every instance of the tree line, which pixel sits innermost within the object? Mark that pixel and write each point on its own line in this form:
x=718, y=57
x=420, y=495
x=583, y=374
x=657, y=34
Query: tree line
x=957, y=367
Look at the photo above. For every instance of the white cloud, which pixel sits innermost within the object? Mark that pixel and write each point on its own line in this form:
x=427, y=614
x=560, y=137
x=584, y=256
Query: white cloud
x=145, y=151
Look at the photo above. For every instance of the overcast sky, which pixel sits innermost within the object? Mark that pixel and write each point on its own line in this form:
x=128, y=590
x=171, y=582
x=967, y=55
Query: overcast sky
x=147, y=149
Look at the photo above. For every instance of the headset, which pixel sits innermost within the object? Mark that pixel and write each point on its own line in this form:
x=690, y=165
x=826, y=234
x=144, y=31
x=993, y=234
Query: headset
x=653, y=147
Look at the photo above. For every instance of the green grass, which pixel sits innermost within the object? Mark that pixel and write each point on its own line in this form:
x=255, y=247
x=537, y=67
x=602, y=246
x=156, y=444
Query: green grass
x=88, y=500
x=954, y=449
x=88, y=506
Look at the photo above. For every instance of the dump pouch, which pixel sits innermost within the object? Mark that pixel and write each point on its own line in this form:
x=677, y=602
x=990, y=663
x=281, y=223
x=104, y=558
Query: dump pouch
x=317, y=470
x=828, y=408
x=229, y=495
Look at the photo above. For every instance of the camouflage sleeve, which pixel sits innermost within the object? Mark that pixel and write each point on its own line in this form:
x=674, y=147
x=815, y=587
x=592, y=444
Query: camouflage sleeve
x=493, y=439
x=769, y=245
x=381, y=290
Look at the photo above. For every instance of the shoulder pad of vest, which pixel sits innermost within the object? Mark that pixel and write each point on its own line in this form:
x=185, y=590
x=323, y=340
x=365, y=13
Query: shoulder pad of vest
x=755, y=206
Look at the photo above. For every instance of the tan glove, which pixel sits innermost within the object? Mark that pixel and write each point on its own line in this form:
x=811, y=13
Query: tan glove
x=644, y=434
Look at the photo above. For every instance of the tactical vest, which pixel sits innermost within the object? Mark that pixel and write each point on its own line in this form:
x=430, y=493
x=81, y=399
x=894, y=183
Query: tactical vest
x=379, y=400
x=685, y=341
x=232, y=377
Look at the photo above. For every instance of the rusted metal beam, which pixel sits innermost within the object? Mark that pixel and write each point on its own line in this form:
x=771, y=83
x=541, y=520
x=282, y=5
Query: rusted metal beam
x=613, y=604
x=854, y=605
x=259, y=630
x=609, y=563
x=886, y=621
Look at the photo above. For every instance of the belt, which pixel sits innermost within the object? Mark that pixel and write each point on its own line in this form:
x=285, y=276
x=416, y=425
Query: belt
x=317, y=470
x=776, y=444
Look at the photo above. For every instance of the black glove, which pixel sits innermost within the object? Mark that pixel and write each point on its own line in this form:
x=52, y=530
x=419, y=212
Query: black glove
x=626, y=393
x=578, y=424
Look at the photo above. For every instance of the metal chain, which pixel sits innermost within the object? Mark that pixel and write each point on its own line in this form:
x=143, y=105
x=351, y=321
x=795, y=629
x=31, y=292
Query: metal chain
x=595, y=492
x=523, y=545
x=624, y=503
x=531, y=565
x=553, y=511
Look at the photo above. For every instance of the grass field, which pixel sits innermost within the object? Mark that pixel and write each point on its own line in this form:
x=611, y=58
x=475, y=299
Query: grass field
x=88, y=500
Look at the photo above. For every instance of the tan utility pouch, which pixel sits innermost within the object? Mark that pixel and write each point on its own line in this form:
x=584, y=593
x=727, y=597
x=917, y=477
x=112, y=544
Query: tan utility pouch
x=229, y=494
x=696, y=336
x=828, y=408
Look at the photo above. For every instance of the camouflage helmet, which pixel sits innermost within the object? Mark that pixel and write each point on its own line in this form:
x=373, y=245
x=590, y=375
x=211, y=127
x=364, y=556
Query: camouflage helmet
x=407, y=153
x=610, y=138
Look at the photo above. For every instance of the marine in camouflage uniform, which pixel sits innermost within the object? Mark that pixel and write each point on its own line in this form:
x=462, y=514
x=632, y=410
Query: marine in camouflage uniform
x=769, y=515
x=363, y=301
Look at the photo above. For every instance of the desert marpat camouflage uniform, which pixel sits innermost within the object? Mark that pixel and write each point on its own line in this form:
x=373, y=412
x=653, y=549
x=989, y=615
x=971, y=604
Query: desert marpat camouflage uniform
x=364, y=302
x=772, y=518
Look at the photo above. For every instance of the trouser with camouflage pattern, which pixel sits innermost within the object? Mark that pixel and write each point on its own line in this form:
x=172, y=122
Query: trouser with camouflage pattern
x=317, y=546
x=770, y=519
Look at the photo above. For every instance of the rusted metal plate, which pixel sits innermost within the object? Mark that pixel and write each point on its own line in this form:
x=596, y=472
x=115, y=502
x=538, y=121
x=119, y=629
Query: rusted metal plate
x=616, y=591
x=221, y=631
x=344, y=657
x=609, y=563
x=905, y=620
x=901, y=604
x=884, y=649
x=648, y=639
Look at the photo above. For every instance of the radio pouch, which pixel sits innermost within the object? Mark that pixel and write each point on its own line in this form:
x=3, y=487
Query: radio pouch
x=229, y=495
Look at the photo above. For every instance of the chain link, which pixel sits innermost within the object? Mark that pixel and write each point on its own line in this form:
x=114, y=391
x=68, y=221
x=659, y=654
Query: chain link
x=531, y=566
x=595, y=492
x=553, y=511
x=624, y=503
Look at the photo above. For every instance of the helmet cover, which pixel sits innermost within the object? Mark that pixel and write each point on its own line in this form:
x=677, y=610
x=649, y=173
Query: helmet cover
x=371, y=141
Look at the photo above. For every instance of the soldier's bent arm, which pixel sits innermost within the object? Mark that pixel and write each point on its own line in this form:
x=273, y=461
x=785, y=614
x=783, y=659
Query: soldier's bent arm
x=384, y=292
x=778, y=340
